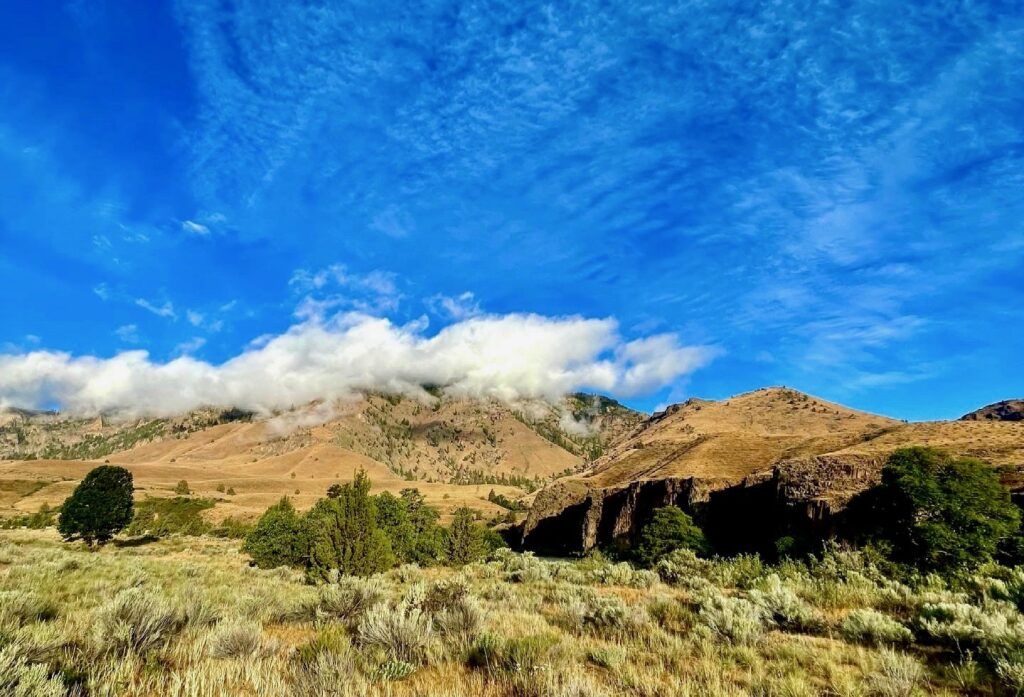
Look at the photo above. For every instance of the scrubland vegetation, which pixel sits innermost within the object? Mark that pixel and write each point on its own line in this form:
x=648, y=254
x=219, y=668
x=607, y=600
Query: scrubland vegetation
x=191, y=616
x=372, y=595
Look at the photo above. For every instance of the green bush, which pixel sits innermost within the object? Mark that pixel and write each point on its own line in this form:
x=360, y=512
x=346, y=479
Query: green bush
x=784, y=607
x=18, y=677
x=460, y=618
x=601, y=615
x=734, y=619
x=19, y=608
x=668, y=530
x=181, y=488
x=170, y=516
x=236, y=638
x=683, y=568
x=100, y=506
x=874, y=627
x=939, y=513
x=404, y=633
x=137, y=621
x=511, y=655
x=278, y=539
x=348, y=600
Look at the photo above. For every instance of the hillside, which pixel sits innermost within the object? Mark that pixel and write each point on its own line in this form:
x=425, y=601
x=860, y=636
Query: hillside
x=1007, y=410
x=455, y=451
x=758, y=465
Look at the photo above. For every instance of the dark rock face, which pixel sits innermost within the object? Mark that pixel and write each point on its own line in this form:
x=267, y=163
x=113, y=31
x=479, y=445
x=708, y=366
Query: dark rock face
x=608, y=517
x=1009, y=410
x=802, y=498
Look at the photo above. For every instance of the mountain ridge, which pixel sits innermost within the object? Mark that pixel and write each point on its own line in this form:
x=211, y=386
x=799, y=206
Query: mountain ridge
x=455, y=450
x=774, y=453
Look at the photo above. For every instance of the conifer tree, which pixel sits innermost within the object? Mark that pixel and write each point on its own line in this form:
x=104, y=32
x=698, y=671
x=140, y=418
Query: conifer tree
x=100, y=506
x=344, y=537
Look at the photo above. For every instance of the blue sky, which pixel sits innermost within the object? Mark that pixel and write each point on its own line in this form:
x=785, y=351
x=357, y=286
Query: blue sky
x=824, y=195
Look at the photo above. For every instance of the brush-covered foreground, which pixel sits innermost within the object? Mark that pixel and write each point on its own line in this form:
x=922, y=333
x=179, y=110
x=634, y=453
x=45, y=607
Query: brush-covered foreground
x=189, y=616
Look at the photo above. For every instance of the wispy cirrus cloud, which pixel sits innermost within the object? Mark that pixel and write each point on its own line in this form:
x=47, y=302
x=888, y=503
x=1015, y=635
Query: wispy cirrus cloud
x=128, y=333
x=835, y=186
x=457, y=307
x=327, y=290
x=164, y=309
x=194, y=228
x=776, y=152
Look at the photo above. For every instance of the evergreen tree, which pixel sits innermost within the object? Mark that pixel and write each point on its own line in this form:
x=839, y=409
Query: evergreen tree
x=669, y=529
x=279, y=538
x=393, y=520
x=100, y=506
x=428, y=535
x=344, y=536
x=466, y=540
x=940, y=513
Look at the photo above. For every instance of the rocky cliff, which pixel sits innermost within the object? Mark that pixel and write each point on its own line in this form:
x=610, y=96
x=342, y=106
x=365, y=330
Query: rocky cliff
x=751, y=469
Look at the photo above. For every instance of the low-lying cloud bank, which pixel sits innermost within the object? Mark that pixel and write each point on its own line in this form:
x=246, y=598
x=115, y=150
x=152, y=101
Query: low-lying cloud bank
x=508, y=357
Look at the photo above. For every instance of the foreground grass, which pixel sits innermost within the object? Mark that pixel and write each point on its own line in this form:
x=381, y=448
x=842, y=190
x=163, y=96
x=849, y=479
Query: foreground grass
x=188, y=616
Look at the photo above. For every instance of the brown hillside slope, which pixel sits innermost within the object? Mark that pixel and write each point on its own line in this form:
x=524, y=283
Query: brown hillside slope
x=753, y=467
x=1007, y=410
x=734, y=437
x=454, y=451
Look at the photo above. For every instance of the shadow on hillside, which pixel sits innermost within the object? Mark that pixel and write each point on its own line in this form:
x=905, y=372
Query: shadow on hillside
x=136, y=541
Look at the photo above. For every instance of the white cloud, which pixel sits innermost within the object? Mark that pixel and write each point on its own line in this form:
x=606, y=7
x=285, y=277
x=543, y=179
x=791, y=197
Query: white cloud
x=570, y=425
x=191, y=346
x=194, y=227
x=128, y=333
x=306, y=417
x=459, y=307
x=393, y=222
x=508, y=357
x=102, y=291
x=335, y=287
x=165, y=310
x=194, y=318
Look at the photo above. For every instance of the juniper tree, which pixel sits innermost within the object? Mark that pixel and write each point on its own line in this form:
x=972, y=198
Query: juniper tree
x=344, y=537
x=279, y=537
x=100, y=506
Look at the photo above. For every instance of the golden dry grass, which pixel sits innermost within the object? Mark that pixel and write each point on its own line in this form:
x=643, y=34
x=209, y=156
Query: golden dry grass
x=187, y=616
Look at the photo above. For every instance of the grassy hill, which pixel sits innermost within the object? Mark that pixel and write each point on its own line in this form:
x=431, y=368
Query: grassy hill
x=454, y=450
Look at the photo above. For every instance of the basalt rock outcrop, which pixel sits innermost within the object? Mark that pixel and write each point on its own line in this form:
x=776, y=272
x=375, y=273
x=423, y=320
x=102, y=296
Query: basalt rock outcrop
x=751, y=469
x=1008, y=410
x=800, y=497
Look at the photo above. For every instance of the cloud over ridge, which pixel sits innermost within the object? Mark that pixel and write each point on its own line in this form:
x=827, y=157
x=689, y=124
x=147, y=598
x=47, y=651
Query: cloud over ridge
x=507, y=357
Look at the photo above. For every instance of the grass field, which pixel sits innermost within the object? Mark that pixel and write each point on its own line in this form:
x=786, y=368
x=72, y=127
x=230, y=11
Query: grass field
x=189, y=616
